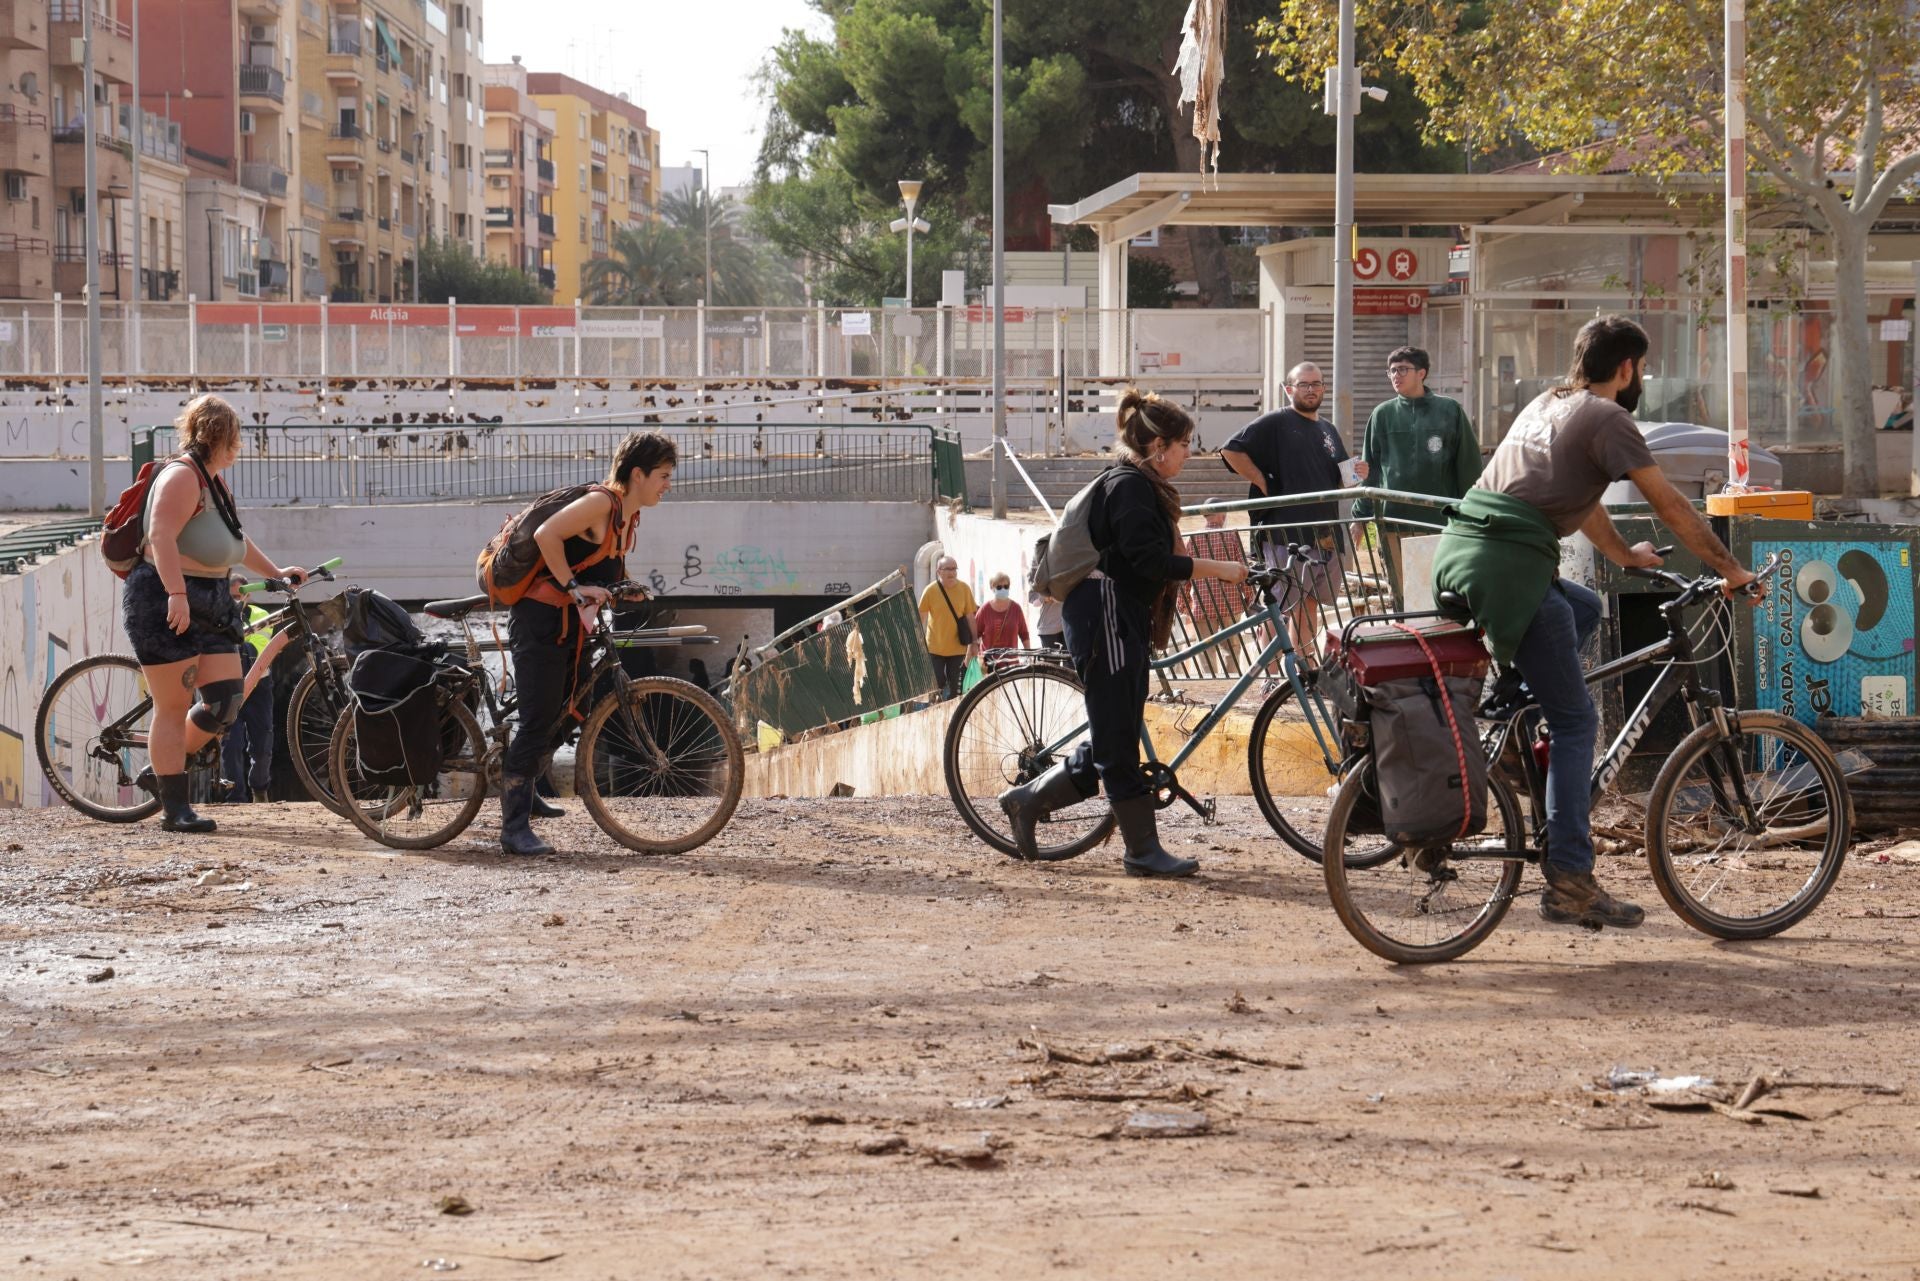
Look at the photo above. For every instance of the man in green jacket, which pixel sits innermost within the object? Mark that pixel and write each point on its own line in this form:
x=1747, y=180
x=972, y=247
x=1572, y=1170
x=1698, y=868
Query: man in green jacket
x=1501, y=551
x=1418, y=442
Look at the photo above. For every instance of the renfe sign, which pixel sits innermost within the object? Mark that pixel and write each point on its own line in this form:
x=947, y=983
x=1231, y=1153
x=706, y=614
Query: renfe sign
x=469, y=322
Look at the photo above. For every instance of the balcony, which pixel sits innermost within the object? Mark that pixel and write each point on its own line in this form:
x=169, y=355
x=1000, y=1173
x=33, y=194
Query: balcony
x=313, y=193
x=408, y=230
x=114, y=164
x=70, y=273
x=273, y=275
x=384, y=146
x=263, y=176
x=23, y=25
x=545, y=224
x=26, y=266
x=112, y=41
x=263, y=84
x=499, y=217
x=346, y=144
x=349, y=213
x=599, y=149
x=347, y=293
x=406, y=156
x=386, y=223
x=313, y=18
x=498, y=158
x=406, y=81
x=260, y=11
x=313, y=282
x=599, y=196
x=544, y=169
x=25, y=144
x=158, y=286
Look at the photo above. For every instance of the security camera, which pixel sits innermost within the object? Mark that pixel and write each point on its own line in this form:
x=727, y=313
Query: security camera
x=1375, y=92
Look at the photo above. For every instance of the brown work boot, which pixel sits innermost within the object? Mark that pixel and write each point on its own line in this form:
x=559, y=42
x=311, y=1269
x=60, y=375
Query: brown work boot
x=1575, y=898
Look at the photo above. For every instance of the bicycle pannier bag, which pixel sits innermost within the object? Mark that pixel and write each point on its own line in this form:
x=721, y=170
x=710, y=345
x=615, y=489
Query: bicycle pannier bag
x=510, y=563
x=396, y=719
x=375, y=621
x=1063, y=559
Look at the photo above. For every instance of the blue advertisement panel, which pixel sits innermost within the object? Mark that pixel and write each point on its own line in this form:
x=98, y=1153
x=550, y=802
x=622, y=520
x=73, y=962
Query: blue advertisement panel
x=1834, y=636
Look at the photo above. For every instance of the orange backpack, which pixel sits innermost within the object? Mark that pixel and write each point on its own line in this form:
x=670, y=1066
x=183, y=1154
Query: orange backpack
x=510, y=565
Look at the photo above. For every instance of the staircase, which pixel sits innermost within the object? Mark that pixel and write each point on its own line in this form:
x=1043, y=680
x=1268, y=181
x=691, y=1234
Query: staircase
x=1205, y=479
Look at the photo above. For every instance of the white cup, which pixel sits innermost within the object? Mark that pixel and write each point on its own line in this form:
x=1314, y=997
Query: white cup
x=1347, y=472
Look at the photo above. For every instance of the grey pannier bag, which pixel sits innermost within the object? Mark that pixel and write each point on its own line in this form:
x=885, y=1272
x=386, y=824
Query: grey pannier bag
x=1431, y=773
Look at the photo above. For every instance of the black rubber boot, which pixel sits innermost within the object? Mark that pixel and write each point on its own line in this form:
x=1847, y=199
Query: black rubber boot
x=516, y=837
x=1027, y=804
x=1575, y=898
x=176, y=814
x=147, y=781
x=1145, y=855
x=543, y=808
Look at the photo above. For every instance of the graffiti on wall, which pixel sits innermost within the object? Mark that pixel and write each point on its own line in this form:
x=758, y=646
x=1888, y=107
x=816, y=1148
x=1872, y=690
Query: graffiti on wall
x=61, y=610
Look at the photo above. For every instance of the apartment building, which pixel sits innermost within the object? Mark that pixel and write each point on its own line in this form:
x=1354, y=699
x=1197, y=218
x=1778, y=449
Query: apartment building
x=520, y=174
x=226, y=72
x=606, y=162
x=464, y=73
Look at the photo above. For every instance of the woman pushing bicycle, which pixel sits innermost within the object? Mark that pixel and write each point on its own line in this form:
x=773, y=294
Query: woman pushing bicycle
x=176, y=608
x=1110, y=620
x=582, y=550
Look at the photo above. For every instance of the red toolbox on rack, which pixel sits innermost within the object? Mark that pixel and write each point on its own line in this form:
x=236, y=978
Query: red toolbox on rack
x=1382, y=652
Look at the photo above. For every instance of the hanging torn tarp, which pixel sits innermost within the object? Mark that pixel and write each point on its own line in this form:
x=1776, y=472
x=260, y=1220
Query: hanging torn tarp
x=866, y=654
x=1202, y=67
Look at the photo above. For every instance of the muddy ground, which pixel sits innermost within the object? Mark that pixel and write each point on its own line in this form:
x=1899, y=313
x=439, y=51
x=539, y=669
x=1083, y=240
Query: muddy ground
x=844, y=1040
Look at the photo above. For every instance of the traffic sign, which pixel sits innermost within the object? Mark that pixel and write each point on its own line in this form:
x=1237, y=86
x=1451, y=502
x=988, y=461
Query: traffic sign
x=273, y=333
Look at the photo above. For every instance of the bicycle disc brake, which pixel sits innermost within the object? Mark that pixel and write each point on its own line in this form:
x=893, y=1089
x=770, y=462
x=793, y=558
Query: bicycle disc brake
x=1166, y=789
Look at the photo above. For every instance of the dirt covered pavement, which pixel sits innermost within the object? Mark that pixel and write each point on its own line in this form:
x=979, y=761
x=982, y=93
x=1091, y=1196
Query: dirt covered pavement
x=845, y=1040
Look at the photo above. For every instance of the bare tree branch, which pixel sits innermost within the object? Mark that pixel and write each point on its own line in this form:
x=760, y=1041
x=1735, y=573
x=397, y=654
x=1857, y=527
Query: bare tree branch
x=1892, y=178
x=1866, y=159
x=1811, y=183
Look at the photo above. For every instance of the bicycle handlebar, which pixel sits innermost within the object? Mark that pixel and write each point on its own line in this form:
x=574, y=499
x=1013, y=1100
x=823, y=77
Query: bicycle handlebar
x=1693, y=589
x=323, y=572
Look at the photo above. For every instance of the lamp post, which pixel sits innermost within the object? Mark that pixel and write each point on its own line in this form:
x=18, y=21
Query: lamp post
x=96, y=427
x=706, y=201
x=910, y=195
x=213, y=253
x=998, y=474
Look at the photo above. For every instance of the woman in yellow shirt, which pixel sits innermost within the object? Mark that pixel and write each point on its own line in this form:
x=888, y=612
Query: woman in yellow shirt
x=942, y=606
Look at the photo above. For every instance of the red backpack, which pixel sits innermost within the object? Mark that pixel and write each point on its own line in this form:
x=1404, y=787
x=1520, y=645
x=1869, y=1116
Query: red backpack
x=123, y=539
x=510, y=564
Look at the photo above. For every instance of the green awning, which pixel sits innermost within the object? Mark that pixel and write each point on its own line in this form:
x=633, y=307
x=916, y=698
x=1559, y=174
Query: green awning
x=386, y=38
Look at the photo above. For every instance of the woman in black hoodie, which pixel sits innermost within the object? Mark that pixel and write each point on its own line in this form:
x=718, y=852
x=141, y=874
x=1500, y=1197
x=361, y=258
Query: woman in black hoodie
x=1110, y=630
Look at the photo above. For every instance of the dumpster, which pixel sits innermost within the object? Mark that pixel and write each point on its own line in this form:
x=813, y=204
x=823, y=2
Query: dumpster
x=1695, y=460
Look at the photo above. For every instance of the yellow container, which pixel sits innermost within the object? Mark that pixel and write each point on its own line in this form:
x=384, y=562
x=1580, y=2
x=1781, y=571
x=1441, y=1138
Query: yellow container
x=1783, y=504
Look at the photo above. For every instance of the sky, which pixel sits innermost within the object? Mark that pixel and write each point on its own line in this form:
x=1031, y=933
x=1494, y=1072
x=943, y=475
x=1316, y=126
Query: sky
x=691, y=64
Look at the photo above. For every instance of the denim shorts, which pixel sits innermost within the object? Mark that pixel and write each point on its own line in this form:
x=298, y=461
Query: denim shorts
x=213, y=623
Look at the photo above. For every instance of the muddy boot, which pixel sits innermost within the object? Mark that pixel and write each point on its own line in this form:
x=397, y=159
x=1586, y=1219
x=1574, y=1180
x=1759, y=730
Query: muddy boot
x=542, y=807
x=260, y=796
x=1575, y=898
x=1139, y=829
x=147, y=781
x=1027, y=804
x=176, y=814
x=516, y=837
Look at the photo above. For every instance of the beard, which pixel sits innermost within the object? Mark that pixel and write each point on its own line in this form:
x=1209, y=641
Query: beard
x=1307, y=402
x=1629, y=396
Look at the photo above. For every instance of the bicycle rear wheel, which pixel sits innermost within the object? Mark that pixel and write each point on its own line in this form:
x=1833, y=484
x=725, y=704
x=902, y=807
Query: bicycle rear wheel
x=414, y=817
x=659, y=765
x=1719, y=876
x=1008, y=730
x=1292, y=784
x=1426, y=905
x=91, y=737
x=313, y=710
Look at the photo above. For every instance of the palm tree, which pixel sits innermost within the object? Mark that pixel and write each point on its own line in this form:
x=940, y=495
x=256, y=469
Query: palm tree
x=652, y=265
x=746, y=273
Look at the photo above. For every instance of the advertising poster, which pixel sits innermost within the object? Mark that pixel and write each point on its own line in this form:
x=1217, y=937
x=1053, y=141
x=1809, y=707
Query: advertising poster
x=1834, y=636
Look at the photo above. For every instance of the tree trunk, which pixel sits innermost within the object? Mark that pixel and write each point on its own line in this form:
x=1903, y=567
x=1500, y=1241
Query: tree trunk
x=1852, y=371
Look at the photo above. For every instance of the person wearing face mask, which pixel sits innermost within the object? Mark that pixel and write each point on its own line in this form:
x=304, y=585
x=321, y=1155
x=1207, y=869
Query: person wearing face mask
x=1000, y=624
x=1501, y=551
x=1110, y=621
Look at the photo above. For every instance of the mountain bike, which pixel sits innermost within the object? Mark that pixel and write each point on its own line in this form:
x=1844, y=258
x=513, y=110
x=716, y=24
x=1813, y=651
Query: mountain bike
x=1747, y=824
x=658, y=763
x=1017, y=723
x=91, y=729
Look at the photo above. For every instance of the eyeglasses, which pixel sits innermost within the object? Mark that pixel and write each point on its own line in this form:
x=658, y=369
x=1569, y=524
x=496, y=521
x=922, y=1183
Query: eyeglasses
x=1401, y=371
x=1307, y=386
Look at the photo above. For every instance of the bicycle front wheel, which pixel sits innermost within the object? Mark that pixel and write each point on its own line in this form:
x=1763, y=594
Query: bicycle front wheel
x=1431, y=904
x=414, y=817
x=313, y=711
x=1294, y=786
x=1008, y=730
x=659, y=766
x=1739, y=878
x=91, y=737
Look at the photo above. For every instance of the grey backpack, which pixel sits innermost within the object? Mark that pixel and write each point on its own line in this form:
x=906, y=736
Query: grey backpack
x=1432, y=777
x=1063, y=559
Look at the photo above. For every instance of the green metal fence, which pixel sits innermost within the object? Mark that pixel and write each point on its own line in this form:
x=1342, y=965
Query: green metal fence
x=870, y=660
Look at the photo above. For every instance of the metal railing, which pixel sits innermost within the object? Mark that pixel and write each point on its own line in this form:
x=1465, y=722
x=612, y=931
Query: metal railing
x=264, y=82
x=351, y=465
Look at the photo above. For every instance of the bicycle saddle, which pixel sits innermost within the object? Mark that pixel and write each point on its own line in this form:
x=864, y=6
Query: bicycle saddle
x=453, y=610
x=1454, y=605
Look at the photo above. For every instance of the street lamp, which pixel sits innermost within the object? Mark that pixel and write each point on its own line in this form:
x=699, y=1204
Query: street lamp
x=910, y=195
x=706, y=200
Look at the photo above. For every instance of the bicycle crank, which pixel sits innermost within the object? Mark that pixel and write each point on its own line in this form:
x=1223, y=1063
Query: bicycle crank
x=1166, y=790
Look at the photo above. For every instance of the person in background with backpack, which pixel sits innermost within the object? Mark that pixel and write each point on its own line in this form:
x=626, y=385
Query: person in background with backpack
x=177, y=609
x=1111, y=625
x=583, y=548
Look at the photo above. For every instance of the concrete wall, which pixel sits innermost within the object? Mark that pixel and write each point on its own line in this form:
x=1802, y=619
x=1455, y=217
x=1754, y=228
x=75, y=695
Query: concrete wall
x=696, y=550
x=984, y=545
x=59, y=611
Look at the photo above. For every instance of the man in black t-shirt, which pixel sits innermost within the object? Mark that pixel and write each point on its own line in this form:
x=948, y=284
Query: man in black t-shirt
x=1295, y=451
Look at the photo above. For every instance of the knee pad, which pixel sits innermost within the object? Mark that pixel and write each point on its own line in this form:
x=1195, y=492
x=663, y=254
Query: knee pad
x=219, y=705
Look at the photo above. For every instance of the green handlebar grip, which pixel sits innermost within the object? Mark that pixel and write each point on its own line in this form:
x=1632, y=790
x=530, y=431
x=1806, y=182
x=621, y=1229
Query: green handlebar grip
x=331, y=565
x=249, y=589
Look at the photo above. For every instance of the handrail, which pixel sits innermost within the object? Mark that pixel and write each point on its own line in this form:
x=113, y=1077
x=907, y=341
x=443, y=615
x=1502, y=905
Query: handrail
x=1032, y=488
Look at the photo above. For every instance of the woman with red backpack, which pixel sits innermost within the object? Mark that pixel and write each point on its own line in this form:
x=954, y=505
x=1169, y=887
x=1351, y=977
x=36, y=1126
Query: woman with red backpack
x=583, y=548
x=176, y=607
